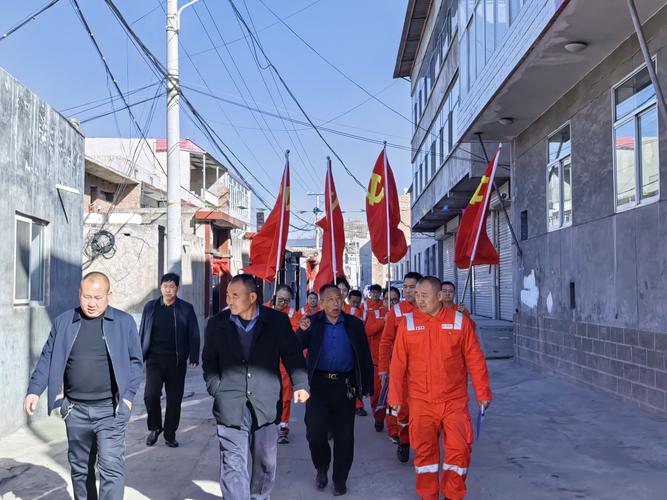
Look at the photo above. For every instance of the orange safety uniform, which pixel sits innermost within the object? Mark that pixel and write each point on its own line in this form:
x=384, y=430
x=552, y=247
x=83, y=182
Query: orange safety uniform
x=454, y=307
x=374, y=316
x=396, y=425
x=434, y=355
x=286, y=381
x=358, y=313
x=304, y=311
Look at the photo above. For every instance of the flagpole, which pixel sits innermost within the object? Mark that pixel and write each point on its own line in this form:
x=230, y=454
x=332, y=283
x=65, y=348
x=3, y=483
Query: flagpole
x=282, y=221
x=487, y=198
x=386, y=204
x=331, y=225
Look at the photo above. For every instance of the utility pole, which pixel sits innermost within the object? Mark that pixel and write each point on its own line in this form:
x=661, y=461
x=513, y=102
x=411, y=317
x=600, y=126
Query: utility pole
x=174, y=224
x=316, y=212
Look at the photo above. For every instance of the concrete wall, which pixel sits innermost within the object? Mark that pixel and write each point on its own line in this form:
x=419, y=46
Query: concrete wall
x=616, y=336
x=38, y=149
x=138, y=262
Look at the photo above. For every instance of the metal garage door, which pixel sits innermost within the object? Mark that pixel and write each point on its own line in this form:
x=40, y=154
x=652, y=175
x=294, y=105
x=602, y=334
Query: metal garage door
x=448, y=266
x=461, y=275
x=484, y=280
x=505, y=252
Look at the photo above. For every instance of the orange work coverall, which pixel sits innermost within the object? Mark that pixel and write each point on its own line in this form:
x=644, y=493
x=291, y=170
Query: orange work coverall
x=374, y=316
x=396, y=425
x=437, y=353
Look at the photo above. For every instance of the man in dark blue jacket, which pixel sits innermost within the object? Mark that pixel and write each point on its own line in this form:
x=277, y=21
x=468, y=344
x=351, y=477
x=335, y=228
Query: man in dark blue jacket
x=169, y=338
x=340, y=371
x=91, y=364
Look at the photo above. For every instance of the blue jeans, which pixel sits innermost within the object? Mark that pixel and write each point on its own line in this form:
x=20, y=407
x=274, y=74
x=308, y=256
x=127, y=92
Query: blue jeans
x=236, y=445
x=96, y=429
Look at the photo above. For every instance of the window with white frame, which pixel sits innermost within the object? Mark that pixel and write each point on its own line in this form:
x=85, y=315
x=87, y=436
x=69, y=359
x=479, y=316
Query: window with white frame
x=29, y=260
x=559, y=179
x=636, y=166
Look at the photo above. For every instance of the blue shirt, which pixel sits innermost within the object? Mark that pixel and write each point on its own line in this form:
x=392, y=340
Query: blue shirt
x=336, y=354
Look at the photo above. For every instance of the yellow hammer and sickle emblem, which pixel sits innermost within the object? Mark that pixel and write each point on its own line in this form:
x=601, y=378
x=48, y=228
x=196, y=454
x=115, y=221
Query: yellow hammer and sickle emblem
x=335, y=204
x=373, y=196
x=287, y=198
x=477, y=198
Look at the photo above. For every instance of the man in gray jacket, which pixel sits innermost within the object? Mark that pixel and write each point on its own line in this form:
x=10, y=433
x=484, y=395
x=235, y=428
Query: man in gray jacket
x=243, y=347
x=92, y=366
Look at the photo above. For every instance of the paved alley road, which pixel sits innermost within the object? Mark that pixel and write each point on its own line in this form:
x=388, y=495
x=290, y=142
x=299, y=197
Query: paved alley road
x=544, y=438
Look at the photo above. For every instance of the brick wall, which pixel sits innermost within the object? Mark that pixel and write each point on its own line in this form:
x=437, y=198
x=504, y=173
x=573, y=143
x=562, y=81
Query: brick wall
x=626, y=362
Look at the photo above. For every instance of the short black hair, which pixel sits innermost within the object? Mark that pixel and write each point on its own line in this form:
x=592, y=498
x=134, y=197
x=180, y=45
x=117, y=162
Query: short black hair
x=375, y=288
x=412, y=275
x=355, y=293
x=449, y=283
x=394, y=289
x=285, y=287
x=312, y=292
x=248, y=280
x=326, y=287
x=344, y=281
x=173, y=277
x=433, y=281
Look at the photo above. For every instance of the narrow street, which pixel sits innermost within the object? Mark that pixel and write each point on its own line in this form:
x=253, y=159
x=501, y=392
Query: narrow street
x=544, y=438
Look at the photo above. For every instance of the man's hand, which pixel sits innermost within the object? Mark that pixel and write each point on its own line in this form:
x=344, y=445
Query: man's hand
x=301, y=396
x=194, y=365
x=304, y=323
x=395, y=409
x=461, y=308
x=30, y=404
x=128, y=403
x=484, y=404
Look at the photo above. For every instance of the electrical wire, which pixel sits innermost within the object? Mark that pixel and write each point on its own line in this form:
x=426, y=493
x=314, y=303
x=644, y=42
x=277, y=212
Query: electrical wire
x=98, y=103
x=294, y=98
x=28, y=19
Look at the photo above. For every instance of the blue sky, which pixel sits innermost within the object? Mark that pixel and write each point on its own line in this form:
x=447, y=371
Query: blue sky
x=54, y=57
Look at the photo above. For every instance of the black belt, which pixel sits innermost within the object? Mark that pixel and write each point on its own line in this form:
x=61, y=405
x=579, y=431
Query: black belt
x=333, y=375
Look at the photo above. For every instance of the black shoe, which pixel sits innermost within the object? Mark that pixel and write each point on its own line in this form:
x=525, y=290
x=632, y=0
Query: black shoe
x=152, y=437
x=321, y=480
x=340, y=489
x=361, y=412
x=379, y=426
x=171, y=442
x=403, y=452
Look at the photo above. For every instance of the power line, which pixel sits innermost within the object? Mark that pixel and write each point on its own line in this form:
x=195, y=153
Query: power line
x=294, y=98
x=128, y=106
x=98, y=103
x=26, y=20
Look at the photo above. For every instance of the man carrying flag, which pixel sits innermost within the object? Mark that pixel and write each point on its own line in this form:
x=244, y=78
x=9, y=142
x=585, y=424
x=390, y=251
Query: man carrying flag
x=312, y=306
x=373, y=317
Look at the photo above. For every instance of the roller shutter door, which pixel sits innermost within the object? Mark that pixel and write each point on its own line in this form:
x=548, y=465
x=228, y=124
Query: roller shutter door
x=484, y=280
x=448, y=266
x=506, y=298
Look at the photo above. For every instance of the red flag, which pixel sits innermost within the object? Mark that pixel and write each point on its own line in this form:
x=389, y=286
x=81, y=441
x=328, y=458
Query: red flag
x=333, y=243
x=471, y=239
x=384, y=214
x=267, y=249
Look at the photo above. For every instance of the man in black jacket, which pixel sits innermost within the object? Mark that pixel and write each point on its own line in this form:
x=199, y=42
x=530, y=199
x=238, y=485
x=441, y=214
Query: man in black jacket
x=243, y=346
x=340, y=370
x=169, y=337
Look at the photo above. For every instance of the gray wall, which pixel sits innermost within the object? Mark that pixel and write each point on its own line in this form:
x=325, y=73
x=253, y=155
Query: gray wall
x=38, y=149
x=616, y=337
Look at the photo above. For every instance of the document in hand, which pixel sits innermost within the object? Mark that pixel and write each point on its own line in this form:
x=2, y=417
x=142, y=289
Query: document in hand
x=480, y=420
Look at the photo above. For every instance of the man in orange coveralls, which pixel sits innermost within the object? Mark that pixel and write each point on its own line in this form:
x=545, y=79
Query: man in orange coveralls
x=437, y=348
x=449, y=300
x=312, y=306
x=397, y=425
x=281, y=302
x=373, y=316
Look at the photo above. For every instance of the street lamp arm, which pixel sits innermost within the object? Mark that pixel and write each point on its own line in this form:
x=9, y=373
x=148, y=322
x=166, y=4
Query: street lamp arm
x=186, y=6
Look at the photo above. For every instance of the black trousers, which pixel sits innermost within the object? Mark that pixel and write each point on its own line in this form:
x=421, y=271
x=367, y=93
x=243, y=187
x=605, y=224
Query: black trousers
x=163, y=371
x=329, y=409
